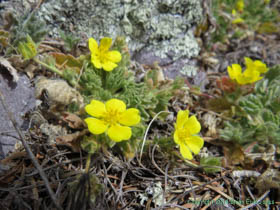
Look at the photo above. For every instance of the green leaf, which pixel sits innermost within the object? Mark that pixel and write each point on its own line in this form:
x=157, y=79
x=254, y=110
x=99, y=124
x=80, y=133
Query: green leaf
x=211, y=164
x=28, y=49
x=89, y=145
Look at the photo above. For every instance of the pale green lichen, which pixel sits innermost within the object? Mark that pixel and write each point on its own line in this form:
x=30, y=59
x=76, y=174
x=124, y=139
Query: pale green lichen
x=162, y=26
x=189, y=70
x=155, y=30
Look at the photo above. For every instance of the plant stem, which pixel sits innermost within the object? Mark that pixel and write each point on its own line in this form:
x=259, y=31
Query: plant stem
x=185, y=160
x=51, y=68
x=88, y=163
x=56, y=71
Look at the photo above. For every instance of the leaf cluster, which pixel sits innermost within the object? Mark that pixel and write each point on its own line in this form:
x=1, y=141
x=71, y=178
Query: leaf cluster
x=259, y=118
x=22, y=33
x=27, y=24
x=70, y=40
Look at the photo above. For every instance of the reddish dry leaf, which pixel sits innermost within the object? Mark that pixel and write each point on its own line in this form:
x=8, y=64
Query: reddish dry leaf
x=226, y=84
x=234, y=154
x=67, y=60
x=71, y=140
x=73, y=120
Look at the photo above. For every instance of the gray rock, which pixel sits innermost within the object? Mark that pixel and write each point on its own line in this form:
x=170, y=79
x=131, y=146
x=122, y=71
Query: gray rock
x=19, y=97
x=156, y=30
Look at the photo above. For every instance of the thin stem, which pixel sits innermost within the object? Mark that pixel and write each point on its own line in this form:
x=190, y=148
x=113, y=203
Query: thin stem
x=51, y=68
x=56, y=71
x=147, y=130
x=88, y=163
x=185, y=160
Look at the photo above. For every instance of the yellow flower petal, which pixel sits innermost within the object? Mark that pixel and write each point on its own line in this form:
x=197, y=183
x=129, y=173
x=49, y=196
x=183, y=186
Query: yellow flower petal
x=182, y=117
x=234, y=71
x=114, y=56
x=237, y=21
x=176, y=137
x=242, y=80
x=251, y=75
x=260, y=66
x=240, y=5
x=105, y=44
x=119, y=133
x=96, y=61
x=184, y=150
x=248, y=62
x=115, y=104
x=195, y=143
x=192, y=125
x=93, y=46
x=130, y=117
x=95, y=108
x=96, y=126
x=108, y=65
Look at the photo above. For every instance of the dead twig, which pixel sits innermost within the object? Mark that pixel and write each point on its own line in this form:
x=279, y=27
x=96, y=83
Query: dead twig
x=224, y=195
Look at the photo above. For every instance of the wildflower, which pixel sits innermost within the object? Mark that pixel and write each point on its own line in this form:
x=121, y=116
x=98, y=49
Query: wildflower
x=256, y=65
x=112, y=118
x=185, y=136
x=101, y=57
x=251, y=73
x=237, y=21
x=240, y=5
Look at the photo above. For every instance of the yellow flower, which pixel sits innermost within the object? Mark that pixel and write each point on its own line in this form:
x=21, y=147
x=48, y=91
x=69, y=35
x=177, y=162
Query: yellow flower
x=101, y=57
x=237, y=21
x=243, y=78
x=112, y=118
x=185, y=136
x=240, y=5
x=256, y=65
x=250, y=75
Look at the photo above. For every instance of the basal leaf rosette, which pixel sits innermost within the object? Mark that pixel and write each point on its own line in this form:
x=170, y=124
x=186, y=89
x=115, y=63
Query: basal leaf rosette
x=186, y=130
x=101, y=56
x=111, y=118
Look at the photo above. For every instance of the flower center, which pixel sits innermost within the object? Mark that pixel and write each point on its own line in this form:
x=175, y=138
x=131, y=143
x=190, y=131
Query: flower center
x=111, y=116
x=102, y=56
x=183, y=133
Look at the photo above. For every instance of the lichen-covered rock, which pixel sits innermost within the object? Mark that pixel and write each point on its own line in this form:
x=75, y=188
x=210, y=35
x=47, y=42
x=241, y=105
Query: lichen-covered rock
x=156, y=30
